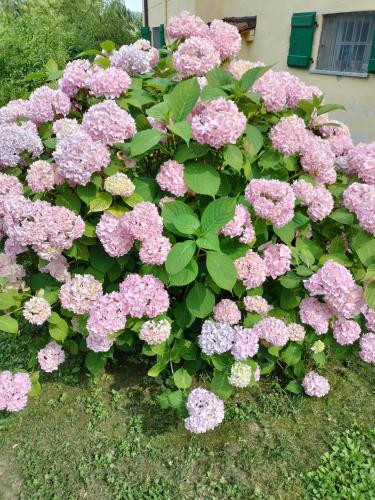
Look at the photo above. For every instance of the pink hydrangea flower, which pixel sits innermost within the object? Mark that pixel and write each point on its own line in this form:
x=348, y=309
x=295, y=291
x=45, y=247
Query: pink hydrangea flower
x=11, y=271
x=75, y=77
x=361, y=159
x=272, y=200
x=245, y=343
x=369, y=315
x=51, y=357
x=296, y=332
x=46, y=103
x=217, y=122
x=225, y=38
x=110, y=83
x=77, y=157
x=346, y=331
x=347, y=304
x=185, y=26
x=17, y=139
x=106, y=315
x=42, y=176
x=288, y=135
x=338, y=136
x=240, y=226
x=318, y=199
x=251, y=269
x=113, y=235
x=315, y=385
x=144, y=296
x=155, y=332
x=317, y=159
x=131, y=59
x=80, y=293
x=36, y=310
x=98, y=343
x=143, y=222
x=257, y=304
x=206, y=411
x=14, y=111
x=367, y=345
x=155, y=250
x=360, y=199
x=9, y=186
x=64, y=127
x=14, y=390
x=239, y=67
x=215, y=338
x=107, y=123
x=272, y=330
x=195, y=57
x=226, y=311
x=171, y=178
x=57, y=268
x=277, y=259
x=152, y=53
x=315, y=314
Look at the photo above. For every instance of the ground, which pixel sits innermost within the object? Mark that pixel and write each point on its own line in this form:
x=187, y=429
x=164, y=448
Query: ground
x=108, y=439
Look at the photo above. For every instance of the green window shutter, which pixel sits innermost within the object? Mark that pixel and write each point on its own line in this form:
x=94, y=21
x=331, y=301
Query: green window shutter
x=146, y=33
x=301, y=39
x=162, y=35
x=371, y=63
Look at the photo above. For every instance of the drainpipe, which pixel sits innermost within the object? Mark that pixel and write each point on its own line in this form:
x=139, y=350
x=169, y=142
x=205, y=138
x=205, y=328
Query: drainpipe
x=145, y=10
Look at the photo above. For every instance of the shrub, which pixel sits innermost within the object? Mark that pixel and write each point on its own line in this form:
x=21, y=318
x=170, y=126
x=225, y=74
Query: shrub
x=215, y=225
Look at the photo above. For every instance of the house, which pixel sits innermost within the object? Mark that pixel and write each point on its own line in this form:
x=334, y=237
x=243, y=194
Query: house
x=327, y=43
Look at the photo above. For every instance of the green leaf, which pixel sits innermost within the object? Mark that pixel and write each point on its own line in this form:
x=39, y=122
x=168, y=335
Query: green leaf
x=95, y=362
x=209, y=93
x=182, y=379
x=218, y=77
x=220, y=385
x=340, y=258
x=251, y=75
x=202, y=178
x=51, y=65
x=108, y=46
x=364, y=244
x=87, y=193
x=289, y=299
x=187, y=224
x=159, y=111
x=8, y=324
x=209, y=241
x=183, y=98
x=102, y=201
x=292, y=354
x=171, y=211
x=294, y=387
x=144, y=140
x=200, y=301
x=9, y=299
x=221, y=269
x=58, y=327
x=185, y=276
x=370, y=295
x=233, y=156
x=158, y=367
x=327, y=108
x=146, y=187
x=179, y=256
x=319, y=358
x=290, y=280
x=191, y=152
x=103, y=62
x=342, y=216
x=182, y=129
x=217, y=214
x=100, y=260
x=253, y=141
x=69, y=200
x=222, y=362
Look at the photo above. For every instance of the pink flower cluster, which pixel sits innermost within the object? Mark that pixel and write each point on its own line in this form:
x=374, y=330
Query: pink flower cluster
x=106, y=317
x=277, y=259
x=225, y=38
x=239, y=67
x=360, y=199
x=76, y=76
x=257, y=304
x=346, y=331
x=110, y=83
x=296, y=332
x=195, y=57
x=338, y=288
x=152, y=53
x=14, y=390
x=215, y=338
x=272, y=200
x=226, y=311
x=107, y=123
x=272, y=330
x=217, y=122
x=37, y=310
x=48, y=229
x=185, y=26
x=288, y=135
x=45, y=104
x=369, y=315
x=251, y=269
x=51, y=357
x=80, y=292
x=315, y=385
x=245, y=343
x=11, y=271
x=318, y=199
x=16, y=140
x=57, y=268
x=361, y=159
x=144, y=296
x=317, y=159
x=171, y=178
x=367, y=348
x=206, y=411
x=78, y=156
x=64, y=127
x=14, y=111
x=114, y=237
x=42, y=176
x=338, y=136
x=131, y=59
x=240, y=226
x=155, y=332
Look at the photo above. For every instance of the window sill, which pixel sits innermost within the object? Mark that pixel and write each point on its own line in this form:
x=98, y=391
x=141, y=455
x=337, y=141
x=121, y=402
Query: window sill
x=339, y=73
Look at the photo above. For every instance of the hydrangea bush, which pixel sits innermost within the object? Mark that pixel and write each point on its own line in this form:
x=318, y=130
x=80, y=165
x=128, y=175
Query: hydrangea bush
x=197, y=211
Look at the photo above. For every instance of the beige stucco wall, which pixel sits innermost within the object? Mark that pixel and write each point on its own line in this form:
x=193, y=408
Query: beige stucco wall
x=271, y=45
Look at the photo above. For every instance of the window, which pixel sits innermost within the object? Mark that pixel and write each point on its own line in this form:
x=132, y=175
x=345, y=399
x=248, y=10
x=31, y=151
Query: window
x=156, y=41
x=346, y=41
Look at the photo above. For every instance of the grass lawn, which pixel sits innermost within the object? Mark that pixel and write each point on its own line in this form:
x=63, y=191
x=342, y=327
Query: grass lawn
x=108, y=439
